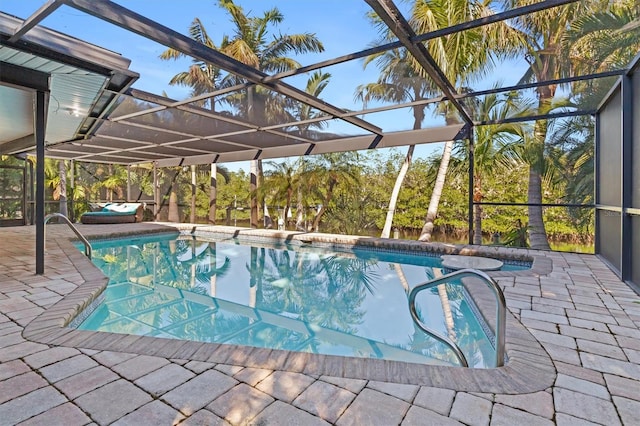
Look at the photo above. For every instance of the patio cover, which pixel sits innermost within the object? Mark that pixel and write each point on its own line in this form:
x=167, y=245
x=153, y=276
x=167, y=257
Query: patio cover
x=95, y=116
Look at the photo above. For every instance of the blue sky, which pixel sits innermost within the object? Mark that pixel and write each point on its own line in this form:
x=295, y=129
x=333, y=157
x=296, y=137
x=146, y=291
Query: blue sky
x=340, y=24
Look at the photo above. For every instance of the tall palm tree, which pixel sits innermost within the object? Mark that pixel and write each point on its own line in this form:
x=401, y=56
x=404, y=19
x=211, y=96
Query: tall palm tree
x=398, y=82
x=213, y=189
x=607, y=39
x=541, y=44
x=253, y=45
x=202, y=77
x=462, y=57
x=316, y=83
x=492, y=153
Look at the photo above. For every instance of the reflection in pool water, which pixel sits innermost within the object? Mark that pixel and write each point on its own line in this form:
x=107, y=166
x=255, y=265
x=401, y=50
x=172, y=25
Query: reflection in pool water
x=351, y=303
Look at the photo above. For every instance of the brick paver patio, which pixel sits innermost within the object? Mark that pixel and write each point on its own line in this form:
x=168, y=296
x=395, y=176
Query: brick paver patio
x=576, y=361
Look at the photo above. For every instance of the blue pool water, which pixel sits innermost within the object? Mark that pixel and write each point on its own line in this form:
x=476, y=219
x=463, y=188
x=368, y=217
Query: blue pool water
x=293, y=298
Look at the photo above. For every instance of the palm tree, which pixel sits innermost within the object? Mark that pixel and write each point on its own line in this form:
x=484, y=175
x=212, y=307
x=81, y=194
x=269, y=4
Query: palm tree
x=282, y=181
x=56, y=179
x=606, y=39
x=300, y=112
x=398, y=82
x=541, y=44
x=462, y=57
x=492, y=153
x=201, y=77
x=328, y=172
x=252, y=45
x=213, y=189
x=115, y=181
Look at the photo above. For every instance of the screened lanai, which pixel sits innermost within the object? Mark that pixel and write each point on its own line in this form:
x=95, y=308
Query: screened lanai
x=95, y=105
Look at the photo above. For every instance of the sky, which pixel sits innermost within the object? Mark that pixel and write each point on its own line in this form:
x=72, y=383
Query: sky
x=341, y=25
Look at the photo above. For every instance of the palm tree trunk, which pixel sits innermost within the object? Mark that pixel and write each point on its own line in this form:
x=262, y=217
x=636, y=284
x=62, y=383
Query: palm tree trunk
x=193, y=194
x=213, y=192
x=268, y=222
x=316, y=220
x=477, y=212
x=287, y=208
x=537, y=233
x=259, y=183
x=477, y=225
x=299, y=212
x=63, y=188
x=446, y=306
x=386, y=230
x=214, y=269
x=109, y=190
x=174, y=214
x=254, y=166
x=432, y=211
x=402, y=277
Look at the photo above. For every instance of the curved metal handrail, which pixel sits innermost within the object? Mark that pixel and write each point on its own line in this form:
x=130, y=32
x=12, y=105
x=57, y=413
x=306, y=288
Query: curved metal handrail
x=500, y=313
x=87, y=245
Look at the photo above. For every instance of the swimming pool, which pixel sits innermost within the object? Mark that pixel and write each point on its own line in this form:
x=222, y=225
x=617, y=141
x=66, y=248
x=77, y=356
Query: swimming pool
x=283, y=296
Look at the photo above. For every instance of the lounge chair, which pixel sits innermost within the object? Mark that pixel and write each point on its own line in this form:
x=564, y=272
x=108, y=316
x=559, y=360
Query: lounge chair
x=114, y=213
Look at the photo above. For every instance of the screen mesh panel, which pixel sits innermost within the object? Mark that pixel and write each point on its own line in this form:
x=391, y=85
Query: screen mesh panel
x=609, y=237
x=635, y=250
x=635, y=167
x=609, y=155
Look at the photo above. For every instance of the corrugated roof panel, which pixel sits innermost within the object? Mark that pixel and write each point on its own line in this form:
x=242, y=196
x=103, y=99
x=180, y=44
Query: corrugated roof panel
x=19, y=58
x=71, y=99
x=65, y=69
x=6, y=53
x=15, y=113
x=35, y=63
x=52, y=66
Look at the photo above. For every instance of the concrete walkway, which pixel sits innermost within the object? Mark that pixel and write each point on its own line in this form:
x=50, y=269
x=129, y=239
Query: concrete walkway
x=584, y=318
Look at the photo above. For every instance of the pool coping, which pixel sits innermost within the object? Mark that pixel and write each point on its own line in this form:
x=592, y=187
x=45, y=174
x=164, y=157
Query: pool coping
x=529, y=368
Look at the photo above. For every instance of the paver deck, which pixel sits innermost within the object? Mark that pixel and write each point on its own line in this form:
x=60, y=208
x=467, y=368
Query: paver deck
x=572, y=338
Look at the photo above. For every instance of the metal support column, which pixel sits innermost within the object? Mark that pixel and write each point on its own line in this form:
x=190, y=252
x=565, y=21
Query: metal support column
x=128, y=183
x=471, y=180
x=40, y=126
x=596, y=182
x=213, y=193
x=626, y=152
x=156, y=197
x=32, y=195
x=193, y=193
x=72, y=177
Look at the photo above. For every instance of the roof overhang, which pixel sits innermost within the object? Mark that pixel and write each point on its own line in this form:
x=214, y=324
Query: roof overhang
x=82, y=81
